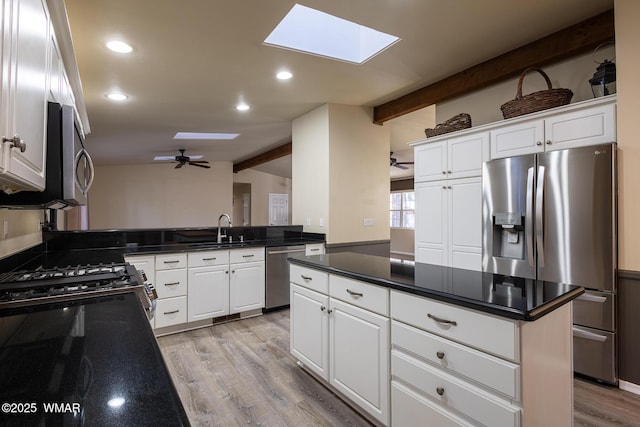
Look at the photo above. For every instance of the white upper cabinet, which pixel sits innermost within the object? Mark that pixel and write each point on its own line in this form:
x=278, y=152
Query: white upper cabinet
x=458, y=157
x=25, y=67
x=586, y=123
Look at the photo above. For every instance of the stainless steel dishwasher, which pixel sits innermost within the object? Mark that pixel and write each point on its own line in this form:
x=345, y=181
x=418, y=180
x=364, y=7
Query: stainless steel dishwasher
x=277, y=285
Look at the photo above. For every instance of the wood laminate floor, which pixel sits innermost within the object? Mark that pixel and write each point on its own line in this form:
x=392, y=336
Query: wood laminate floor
x=241, y=374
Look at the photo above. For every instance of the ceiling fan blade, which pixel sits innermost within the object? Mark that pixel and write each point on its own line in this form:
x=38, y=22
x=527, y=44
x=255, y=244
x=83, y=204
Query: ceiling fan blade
x=399, y=166
x=199, y=165
x=179, y=165
x=404, y=163
x=199, y=161
x=195, y=157
x=164, y=158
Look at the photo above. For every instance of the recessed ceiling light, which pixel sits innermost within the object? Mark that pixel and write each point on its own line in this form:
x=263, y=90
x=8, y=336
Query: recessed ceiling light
x=284, y=75
x=205, y=135
x=119, y=46
x=117, y=96
x=318, y=33
x=242, y=107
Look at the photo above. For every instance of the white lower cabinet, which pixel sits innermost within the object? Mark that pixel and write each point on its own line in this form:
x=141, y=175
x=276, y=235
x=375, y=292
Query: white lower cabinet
x=246, y=287
x=345, y=344
x=208, y=294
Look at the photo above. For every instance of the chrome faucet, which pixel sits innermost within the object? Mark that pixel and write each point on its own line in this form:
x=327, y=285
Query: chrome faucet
x=220, y=236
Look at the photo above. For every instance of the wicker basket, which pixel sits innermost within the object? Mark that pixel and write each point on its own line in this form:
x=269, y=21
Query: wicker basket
x=536, y=101
x=460, y=121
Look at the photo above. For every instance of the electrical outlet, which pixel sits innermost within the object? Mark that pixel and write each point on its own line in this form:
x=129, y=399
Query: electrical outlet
x=367, y=222
x=308, y=221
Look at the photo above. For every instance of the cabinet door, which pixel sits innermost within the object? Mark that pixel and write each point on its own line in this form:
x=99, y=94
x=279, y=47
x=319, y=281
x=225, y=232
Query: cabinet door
x=466, y=154
x=208, y=292
x=28, y=64
x=588, y=126
x=465, y=226
x=517, y=139
x=431, y=222
x=359, y=357
x=246, y=287
x=310, y=329
x=430, y=161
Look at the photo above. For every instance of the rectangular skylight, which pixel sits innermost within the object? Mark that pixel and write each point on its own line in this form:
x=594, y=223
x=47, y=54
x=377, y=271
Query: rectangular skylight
x=201, y=135
x=318, y=33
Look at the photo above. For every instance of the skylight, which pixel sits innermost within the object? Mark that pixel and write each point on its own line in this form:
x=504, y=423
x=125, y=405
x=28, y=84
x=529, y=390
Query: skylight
x=202, y=135
x=318, y=33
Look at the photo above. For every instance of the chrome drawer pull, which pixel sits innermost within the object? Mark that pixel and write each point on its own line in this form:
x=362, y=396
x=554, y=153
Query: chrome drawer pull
x=439, y=320
x=171, y=312
x=172, y=262
x=314, y=249
x=440, y=355
x=440, y=391
x=172, y=284
x=354, y=294
x=306, y=277
x=247, y=256
x=209, y=259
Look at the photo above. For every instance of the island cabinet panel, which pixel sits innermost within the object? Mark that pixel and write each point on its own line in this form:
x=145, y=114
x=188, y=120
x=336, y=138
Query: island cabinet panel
x=309, y=334
x=310, y=278
x=485, y=332
x=361, y=294
x=359, y=357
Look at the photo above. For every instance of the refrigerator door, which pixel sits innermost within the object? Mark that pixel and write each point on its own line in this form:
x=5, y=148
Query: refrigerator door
x=575, y=234
x=507, y=215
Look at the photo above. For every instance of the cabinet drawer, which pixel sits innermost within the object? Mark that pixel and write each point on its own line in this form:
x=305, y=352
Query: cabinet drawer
x=361, y=294
x=171, y=311
x=407, y=406
x=168, y=261
x=146, y=263
x=246, y=255
x=171, y=283
x=314, y=249
x=203, y=259
x=309, y=278
x=482, y=331
x=454, y=394
x=490, y=371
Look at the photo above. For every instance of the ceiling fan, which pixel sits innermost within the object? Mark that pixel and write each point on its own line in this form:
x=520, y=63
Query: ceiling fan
x=394, y=162
x=185, y=160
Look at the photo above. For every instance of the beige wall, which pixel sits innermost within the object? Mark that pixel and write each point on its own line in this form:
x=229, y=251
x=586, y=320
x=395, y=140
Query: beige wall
x=23, y=230
x=261, y=185
x=403, y=240
x=340, y=174
x=157, y=196
x=484, y=105
x=627, y=16
x=310, y=170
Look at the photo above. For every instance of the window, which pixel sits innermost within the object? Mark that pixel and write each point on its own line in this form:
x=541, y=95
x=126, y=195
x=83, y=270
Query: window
x=402, y=205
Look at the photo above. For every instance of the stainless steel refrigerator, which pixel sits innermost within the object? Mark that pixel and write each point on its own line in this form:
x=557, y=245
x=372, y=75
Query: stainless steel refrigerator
x=552, y=217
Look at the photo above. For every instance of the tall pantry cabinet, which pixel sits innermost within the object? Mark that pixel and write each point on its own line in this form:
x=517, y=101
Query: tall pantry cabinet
x=448, y=191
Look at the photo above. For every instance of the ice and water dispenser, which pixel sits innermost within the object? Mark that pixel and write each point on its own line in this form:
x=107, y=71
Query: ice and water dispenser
x=508, y=235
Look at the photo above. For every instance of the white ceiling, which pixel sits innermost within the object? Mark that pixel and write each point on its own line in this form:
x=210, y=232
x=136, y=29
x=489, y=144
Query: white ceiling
x=194, y=60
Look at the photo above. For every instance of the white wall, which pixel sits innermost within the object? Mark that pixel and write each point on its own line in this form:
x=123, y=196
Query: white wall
x=261, y=185
x=23, y=228
x=340, y=166
x=484, y=105
x=310, y=170
x=159, y=196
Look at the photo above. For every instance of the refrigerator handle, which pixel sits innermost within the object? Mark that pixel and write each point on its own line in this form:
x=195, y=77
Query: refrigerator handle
x=528, y=217
x=539, y=216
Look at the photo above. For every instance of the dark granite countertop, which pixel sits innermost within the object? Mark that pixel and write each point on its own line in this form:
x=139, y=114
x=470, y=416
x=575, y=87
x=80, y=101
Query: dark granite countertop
x=510, y=297
x=98, y=355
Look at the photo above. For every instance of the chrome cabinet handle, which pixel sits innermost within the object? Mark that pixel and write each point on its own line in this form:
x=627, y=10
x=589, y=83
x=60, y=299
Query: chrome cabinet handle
x=306, y=277
x=171, y=262
x=440, y=391
x=440, y=355
x=172, y=284
x=440, y=320
x=448, y=171
x=209, y=259
x=247, y=256
x=16, y=142
x=548, y=141
x=330, y=311
x=171, y=312
x=538, y=142
x=444, y=187
x=354, y=294
x=444, y=172
x=314, y=249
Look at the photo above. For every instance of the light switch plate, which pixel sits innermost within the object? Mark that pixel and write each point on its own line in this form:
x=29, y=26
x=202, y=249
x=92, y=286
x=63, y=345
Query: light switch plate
x=368, y=222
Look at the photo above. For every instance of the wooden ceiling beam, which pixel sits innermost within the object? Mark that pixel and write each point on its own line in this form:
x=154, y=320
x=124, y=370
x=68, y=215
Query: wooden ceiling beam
x=276, y=153
x=571, y=41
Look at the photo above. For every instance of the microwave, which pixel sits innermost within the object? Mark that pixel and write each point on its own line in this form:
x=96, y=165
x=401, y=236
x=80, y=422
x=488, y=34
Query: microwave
x=69, y=169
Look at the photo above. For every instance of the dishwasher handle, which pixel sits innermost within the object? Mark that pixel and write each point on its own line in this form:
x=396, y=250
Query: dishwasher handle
x=284, y=251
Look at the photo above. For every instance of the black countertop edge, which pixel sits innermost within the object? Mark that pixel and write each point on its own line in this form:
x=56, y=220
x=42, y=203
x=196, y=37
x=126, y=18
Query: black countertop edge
x=499, y=310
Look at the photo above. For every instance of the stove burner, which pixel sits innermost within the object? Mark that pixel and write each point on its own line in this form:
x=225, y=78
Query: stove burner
x=66, y=282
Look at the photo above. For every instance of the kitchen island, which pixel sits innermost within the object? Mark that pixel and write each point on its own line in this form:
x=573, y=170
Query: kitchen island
x=405, y=342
